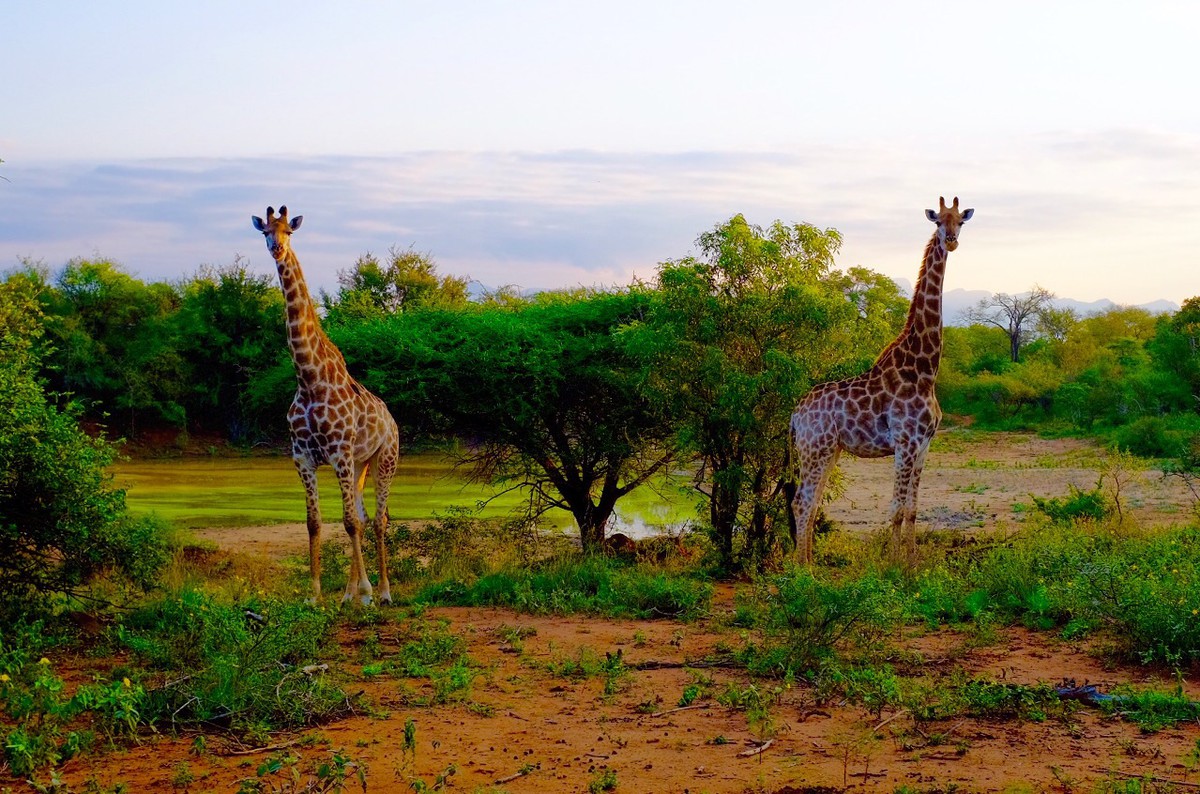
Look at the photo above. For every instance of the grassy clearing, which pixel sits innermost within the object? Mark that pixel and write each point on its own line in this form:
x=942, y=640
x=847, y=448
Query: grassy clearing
x=594, y=586
x=212, y=492
x=228, y=646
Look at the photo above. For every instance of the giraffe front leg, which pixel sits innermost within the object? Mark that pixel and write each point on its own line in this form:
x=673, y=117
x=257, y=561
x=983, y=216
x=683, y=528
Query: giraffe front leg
x=910, y=512
x=308, y=476
x=900, y=503
x=350, y=478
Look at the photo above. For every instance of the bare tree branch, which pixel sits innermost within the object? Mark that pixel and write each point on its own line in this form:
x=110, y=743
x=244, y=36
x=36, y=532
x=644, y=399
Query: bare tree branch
x=1015, y=315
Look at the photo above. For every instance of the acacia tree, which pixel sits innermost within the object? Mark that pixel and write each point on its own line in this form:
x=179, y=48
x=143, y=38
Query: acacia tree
x=543, y=394
x=1015, y=315
x=735, y=337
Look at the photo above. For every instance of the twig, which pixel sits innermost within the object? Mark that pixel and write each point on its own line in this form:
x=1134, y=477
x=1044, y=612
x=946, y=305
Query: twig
x=658, y=714
x=267, y=749
x=654, y=664
x=510, y=778
x=899, y=713
x=753, y=751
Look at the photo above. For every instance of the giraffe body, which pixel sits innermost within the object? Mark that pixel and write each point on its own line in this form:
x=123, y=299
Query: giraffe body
x=333, y=419
x=891, y=409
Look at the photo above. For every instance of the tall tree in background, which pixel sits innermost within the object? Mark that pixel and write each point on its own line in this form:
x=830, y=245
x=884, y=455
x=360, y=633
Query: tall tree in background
x=406, y=280
x=114, y=344
x=229, y=329
x=1016, y=315
x=732, y=341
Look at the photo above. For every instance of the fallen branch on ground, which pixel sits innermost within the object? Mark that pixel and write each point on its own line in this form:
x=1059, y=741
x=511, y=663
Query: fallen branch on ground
x=762, y=748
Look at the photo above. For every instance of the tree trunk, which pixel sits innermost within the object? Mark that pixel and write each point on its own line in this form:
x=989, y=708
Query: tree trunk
x=592, y=518
x=723, y=506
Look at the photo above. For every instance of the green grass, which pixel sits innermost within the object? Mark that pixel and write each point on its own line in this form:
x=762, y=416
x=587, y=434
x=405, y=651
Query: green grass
x=257, y=491
x=591, y=585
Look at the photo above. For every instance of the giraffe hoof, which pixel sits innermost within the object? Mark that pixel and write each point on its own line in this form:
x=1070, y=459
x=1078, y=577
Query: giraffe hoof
x=366, y=600
x=385, y=598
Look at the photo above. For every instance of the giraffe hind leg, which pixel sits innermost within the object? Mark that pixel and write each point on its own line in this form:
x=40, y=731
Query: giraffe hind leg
x=350, y=480
x=902, y=541
x=815, y=466
x=384, y=470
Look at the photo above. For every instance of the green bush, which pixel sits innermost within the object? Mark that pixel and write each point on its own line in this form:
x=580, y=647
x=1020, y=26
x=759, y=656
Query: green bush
x=1077, y=506
x=61, y=520
x=802, y=620
x=240, y=668
x=1150, y=437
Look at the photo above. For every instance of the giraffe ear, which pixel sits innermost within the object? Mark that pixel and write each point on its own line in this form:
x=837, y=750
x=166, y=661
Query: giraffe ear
x=295, y=224
x=931, y=215
x=258, y=223
x=967, y=215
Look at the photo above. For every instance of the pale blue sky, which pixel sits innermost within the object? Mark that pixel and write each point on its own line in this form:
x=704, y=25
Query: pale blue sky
x=556, y=143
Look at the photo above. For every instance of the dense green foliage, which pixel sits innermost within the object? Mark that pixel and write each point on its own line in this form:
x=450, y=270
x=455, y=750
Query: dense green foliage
x=61, y=521
x=576, y=398
x=732, y=340
x=235, y=666
x=1123, y=375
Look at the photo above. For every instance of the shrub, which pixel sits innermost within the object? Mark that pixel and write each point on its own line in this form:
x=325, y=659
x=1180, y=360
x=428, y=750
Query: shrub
x=1078, y=506
x=593, y=585
x=1150, y=437
x=61, y=521
x=244, y=668
x=803, y=620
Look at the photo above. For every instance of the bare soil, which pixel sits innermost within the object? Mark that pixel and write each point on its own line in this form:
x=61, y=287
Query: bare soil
x=524, y=728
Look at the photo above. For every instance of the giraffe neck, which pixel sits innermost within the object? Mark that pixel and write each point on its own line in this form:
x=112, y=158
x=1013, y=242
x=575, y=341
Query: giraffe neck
x=922, y=334
x=314, y=356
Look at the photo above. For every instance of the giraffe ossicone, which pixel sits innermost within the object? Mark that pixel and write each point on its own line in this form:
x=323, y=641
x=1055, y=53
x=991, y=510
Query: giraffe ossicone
x=891, y=409
x=334, y=420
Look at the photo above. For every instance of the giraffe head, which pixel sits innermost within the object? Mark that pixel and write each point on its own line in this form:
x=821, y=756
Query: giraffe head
x=949, y=220
x=278, y=231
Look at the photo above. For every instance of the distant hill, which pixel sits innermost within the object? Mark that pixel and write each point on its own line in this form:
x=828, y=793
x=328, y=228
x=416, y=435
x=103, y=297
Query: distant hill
x=955, y=301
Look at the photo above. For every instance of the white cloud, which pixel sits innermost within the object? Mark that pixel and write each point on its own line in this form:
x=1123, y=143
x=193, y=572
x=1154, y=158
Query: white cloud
x=1085, y=215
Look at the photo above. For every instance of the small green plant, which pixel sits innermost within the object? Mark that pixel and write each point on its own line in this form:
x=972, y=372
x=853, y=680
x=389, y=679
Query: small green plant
x=1078, y=505
x=756, y=702
x=699, y=688
x=604, y=780
x=440, y=781
x=410, y=739
x=803, y=619
x=691, y=693
x=183, y=777
x=1152, y=710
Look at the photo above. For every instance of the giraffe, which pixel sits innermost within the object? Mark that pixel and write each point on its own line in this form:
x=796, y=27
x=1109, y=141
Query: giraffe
x=334, y=420
x=891, y=409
